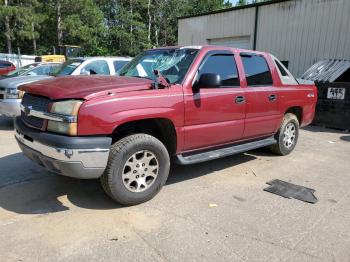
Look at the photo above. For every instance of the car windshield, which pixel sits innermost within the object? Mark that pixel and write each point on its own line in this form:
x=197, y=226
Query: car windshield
x=67, y=68
x=173, y=64
x=44, y=69
x=22, y=70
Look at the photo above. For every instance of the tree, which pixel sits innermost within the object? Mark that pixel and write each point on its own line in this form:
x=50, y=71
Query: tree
x=29, y=21
x=242, y=2
x=6, y=13
x=203, y=6
x=103, y=27
x=78, y=22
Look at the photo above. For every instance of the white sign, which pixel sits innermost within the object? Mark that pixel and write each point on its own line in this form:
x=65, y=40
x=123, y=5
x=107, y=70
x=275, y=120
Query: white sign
x=336, y=93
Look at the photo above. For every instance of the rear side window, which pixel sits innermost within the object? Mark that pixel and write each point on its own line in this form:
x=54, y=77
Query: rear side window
x=256, y=70
x=99, y=67
x=281, y=69
x=4, y=64
x=119, y=64
x=224, y=66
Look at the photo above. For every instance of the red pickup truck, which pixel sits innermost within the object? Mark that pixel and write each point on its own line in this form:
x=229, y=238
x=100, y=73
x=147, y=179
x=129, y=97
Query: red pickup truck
x=191, y=104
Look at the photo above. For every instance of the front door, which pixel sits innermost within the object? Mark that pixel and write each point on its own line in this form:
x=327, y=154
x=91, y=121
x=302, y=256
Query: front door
x=215, y=116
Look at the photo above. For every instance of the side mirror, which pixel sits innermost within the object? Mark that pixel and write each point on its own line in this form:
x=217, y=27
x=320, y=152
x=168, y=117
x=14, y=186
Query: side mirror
x=207, y=81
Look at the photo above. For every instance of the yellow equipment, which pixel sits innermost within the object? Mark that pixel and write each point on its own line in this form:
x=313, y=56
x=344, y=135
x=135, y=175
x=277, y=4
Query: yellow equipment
x=50, y=58
x=64, y=52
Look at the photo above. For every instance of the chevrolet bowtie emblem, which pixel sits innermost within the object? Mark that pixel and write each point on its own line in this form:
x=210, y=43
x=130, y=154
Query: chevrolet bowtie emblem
x=27, y=110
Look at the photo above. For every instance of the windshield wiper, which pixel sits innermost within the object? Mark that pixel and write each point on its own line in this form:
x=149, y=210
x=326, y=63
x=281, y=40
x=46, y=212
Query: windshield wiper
x=160, y=81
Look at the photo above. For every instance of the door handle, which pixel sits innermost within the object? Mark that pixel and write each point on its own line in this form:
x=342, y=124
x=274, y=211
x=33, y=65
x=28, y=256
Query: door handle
x=272, y=98
x=240, y=100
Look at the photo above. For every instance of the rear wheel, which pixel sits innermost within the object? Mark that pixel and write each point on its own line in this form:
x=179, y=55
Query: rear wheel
x=287, y=136
x=137, y=169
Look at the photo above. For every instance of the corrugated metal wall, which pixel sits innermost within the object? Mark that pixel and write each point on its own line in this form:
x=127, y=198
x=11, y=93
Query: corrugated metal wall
x=198, y=30
x=299, y=31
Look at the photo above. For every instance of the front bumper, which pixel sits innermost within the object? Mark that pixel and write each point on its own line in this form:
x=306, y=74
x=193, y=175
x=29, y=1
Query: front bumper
x=79, y=157
x=10, y=107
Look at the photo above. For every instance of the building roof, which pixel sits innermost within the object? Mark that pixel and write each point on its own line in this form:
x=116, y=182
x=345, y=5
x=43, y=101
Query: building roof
x=235, y=8
x=328, y=70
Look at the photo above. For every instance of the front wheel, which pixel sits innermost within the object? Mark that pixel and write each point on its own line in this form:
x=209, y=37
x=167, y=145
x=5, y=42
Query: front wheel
x=137, y=169
x=287, y=136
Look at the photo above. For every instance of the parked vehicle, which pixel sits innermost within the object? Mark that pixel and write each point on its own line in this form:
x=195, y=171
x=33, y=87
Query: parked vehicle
x=6, y=66
x=64, y=53
x=32, y=69
x=189, y=103
x=10, y=98
x=92, y=66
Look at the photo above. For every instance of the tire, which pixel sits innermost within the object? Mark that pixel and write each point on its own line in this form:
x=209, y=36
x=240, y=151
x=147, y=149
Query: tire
x=284, y=146
x=137, y=168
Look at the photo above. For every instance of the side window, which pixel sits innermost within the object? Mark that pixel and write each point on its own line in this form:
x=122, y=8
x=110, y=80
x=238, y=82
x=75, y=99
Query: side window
x=53, y=68
x=119, y=64
x=281, y=69
x=285, y=63
x=98, y=67
x=40, y=70
x=285, y=76
x=256, y=70
x=4, y=64
x=224, y=66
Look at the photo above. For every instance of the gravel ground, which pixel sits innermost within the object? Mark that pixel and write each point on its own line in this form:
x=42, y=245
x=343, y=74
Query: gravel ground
x=216, y=211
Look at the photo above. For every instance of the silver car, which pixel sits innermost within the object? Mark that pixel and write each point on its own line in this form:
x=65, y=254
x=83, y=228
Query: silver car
x=34, y=69
x=10, y=97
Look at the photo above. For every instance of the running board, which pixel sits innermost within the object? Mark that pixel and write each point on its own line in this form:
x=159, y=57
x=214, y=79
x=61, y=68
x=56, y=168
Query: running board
x=222, y=152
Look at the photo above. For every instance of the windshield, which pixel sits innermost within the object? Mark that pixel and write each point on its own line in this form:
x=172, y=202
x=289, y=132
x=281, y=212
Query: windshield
x=45, y=69
x=173, y=64
x=22, y=70
x=67, y=68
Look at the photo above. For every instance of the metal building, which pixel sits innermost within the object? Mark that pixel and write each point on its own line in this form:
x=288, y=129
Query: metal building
x=298, y=32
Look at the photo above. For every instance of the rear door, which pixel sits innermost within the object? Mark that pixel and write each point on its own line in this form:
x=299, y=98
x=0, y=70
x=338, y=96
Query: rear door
x=215, y=116
x=262, y=115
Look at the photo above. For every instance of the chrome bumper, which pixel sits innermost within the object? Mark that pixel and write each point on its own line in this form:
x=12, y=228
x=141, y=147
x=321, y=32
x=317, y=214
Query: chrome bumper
x=10, y=107
x=87, y=163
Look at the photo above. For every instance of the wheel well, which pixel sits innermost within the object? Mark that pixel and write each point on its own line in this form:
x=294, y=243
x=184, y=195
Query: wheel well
x=161, y=128
x=298, y=111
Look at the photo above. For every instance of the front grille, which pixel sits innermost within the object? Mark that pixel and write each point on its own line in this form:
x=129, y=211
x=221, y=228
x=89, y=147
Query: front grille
x=36, y=103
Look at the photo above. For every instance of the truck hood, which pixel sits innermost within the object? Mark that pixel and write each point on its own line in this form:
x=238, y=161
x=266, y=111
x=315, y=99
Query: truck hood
x=14, y=82
x=85, y=87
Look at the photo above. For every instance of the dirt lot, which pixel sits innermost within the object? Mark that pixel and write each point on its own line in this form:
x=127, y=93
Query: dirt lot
x=215, y=211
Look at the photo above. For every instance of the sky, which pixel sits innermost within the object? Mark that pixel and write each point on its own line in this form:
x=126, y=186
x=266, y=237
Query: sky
x=234, y=2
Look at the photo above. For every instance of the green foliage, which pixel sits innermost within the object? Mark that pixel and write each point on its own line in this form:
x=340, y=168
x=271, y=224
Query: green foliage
x=101, y=27
x=242, y=2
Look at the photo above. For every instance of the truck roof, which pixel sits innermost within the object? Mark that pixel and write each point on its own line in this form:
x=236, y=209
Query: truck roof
x=209, y=47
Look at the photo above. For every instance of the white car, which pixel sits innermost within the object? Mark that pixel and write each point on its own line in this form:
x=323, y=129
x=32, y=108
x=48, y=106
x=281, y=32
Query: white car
x=10, y=98
x=92, y=65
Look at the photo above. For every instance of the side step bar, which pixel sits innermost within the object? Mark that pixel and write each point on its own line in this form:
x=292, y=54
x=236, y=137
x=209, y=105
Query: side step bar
x=222, y=152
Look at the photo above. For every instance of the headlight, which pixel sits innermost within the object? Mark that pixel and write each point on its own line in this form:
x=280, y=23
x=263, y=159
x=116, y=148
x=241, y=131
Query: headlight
x=62, y=128
x=66, y=108
x=20, y=94
x=12, y=93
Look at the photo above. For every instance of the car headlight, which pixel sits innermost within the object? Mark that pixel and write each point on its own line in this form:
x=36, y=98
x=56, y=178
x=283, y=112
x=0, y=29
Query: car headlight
x=20, y=94
x=69, y=108
x=12, y=93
